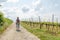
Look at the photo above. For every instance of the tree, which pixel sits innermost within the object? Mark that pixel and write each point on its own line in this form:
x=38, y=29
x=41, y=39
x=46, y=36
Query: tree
x=1, y=19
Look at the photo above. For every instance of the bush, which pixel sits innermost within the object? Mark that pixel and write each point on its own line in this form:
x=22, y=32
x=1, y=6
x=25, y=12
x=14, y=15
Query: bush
x=4, y=22
x=1, y=19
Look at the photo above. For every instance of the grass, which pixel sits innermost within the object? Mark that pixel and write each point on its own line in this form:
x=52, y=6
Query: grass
x=43, y=33
x=5, y=26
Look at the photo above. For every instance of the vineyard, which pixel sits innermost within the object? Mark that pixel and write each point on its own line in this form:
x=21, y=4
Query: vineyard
x=4, y=22
x=44, y=30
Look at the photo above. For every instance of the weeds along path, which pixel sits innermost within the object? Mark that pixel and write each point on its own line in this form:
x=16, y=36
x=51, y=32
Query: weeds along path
x=12, y=34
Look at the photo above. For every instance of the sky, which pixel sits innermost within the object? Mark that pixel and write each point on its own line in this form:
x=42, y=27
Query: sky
x=31, y=9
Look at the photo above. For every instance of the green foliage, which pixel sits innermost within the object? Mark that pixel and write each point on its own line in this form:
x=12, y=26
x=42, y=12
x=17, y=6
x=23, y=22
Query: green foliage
x=5, y=25
x=43, y=34
x=1, y=19
x=4, y=22
x=9, y=21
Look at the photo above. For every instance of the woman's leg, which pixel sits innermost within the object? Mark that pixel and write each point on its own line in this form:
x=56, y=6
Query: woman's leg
x=16, y=26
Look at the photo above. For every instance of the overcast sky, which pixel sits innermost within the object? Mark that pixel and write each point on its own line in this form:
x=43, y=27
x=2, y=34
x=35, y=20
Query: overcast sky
x=31, y=8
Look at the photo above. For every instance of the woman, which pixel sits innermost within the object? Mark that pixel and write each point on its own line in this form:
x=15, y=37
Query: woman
x=17, y=23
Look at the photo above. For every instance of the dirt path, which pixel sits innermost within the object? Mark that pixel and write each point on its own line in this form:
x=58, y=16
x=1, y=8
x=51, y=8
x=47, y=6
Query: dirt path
x=12, y=34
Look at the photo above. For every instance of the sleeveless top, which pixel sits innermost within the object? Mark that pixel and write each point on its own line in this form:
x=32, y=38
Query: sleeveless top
x=17, y=21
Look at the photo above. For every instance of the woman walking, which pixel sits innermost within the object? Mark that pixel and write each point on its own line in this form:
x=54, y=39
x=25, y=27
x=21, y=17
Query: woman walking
x=17, y=23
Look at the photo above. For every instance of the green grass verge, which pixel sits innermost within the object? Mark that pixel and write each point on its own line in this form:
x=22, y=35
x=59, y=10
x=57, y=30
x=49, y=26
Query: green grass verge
x=40, y=33
x=7, y=23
